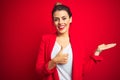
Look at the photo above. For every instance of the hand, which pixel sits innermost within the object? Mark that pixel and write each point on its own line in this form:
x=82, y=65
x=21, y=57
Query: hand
x=106, y=46
x=61, y=58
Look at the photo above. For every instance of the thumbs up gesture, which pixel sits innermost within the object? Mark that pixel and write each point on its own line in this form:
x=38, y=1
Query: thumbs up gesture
x=61, y=58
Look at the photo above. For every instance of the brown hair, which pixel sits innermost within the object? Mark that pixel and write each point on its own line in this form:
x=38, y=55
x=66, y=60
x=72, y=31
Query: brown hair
x=59, y=6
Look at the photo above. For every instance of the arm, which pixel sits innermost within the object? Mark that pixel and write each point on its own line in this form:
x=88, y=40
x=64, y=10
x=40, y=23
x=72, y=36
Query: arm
x=44, y=67
x=104, y=47
x=91, y=59
x=96, y=57
x=42, y=64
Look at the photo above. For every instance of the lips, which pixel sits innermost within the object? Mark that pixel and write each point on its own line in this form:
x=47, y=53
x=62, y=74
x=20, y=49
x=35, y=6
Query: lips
x=61, y=27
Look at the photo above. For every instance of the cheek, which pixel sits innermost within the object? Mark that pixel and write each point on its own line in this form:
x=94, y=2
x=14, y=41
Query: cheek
x=68, y=22
x=55, y=24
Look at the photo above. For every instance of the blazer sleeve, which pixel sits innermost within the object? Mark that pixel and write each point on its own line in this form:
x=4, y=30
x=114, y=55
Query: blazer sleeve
x=89, y=61
x=42, y=63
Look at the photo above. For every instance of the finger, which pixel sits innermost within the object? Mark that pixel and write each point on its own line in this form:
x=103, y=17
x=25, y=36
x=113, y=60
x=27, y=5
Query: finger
x=65, y=61
x=65, y=58
x=110, y=45
x=65, y=54
x=62, y=48
x=114, y=44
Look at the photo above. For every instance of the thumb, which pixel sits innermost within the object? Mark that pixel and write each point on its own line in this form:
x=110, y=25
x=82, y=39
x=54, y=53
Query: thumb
x=61, y=50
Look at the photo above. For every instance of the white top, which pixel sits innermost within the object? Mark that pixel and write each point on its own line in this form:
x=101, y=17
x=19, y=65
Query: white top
x=65, y=70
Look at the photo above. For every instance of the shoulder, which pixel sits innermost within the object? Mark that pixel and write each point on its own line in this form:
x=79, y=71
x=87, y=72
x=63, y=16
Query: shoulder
x=48, y=36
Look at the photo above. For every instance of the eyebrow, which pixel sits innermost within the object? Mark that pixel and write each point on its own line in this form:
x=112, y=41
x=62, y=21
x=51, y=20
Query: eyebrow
x=61, y=17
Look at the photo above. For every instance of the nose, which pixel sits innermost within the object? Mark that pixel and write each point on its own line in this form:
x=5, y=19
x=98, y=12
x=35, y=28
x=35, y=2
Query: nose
x=60, y=21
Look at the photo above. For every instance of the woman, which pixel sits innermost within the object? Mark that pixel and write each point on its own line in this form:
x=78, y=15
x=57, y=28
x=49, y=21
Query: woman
x=59, y=57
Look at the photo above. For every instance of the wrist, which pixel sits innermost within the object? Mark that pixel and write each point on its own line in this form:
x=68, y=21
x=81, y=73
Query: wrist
x=54, y=60
x=51, y=64
x=97, y=52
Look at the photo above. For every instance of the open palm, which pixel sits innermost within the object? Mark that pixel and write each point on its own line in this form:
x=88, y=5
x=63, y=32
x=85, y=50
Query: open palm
x=106, y=46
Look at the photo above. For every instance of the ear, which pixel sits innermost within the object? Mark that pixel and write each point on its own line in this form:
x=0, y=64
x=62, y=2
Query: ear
x=70, y=19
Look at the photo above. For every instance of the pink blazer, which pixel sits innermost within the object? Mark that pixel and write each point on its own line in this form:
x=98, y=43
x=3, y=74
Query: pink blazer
x=81, y=62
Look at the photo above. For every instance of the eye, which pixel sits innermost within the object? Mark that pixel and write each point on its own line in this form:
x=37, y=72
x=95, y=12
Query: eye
x=64, y=18
x=56, y=19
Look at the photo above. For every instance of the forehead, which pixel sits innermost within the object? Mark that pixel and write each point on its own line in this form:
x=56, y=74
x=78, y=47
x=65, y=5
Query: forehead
x=60, y=13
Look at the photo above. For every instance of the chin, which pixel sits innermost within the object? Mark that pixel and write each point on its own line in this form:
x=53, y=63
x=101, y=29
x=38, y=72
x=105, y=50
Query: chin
x=61, y=32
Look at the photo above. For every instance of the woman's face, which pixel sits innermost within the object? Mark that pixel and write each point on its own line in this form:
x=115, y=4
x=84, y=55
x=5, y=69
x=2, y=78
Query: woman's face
x=62, y=21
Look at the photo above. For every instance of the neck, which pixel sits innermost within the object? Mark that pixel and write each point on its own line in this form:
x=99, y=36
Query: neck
x=64, y=35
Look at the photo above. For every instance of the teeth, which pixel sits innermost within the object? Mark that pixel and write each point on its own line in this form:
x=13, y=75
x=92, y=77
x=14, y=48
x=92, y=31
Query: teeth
x=61, y=26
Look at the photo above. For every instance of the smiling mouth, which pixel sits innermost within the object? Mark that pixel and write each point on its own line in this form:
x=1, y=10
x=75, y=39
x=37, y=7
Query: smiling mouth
x=61, y=27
